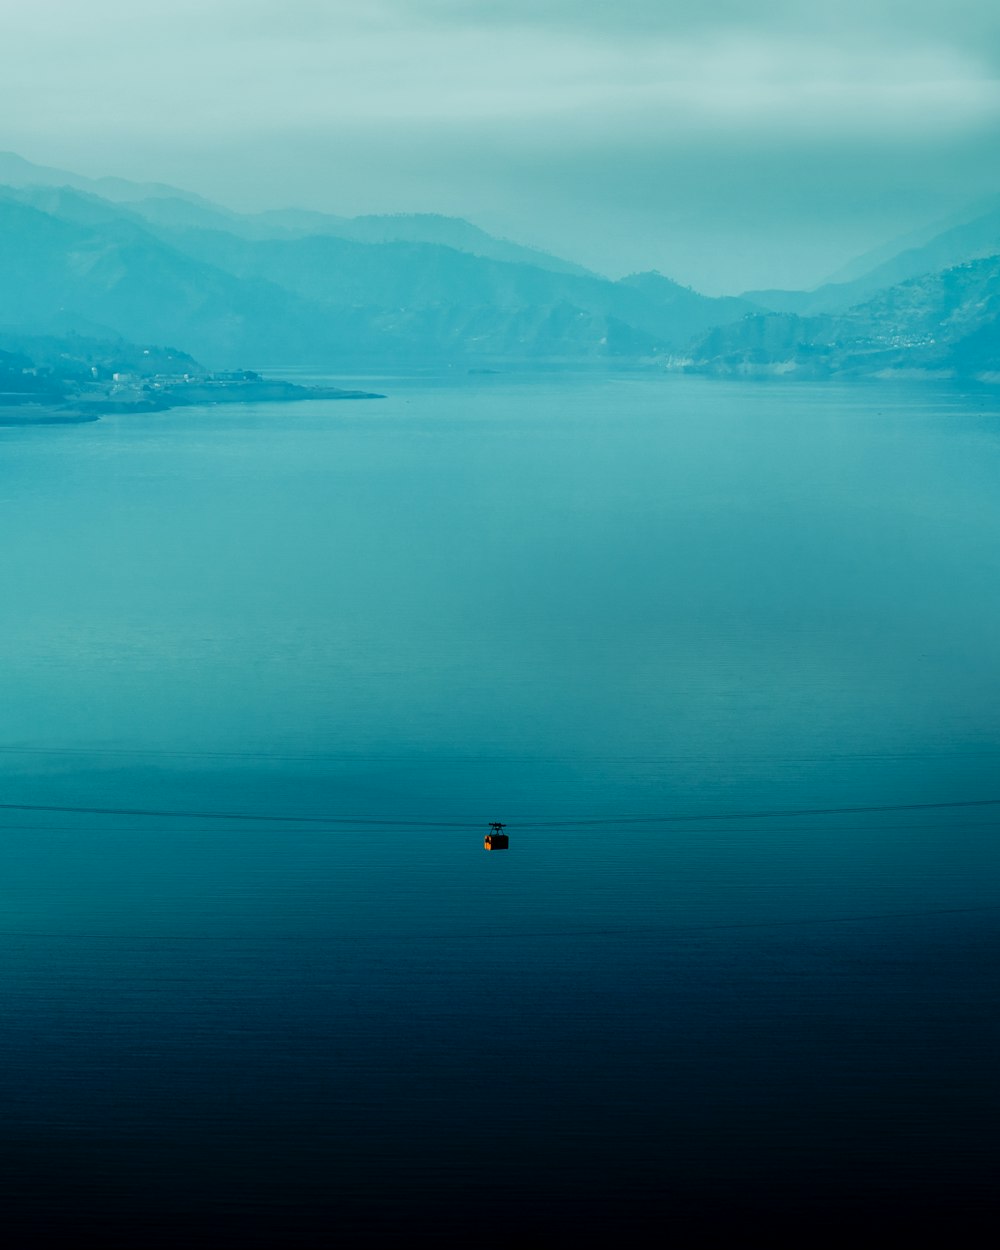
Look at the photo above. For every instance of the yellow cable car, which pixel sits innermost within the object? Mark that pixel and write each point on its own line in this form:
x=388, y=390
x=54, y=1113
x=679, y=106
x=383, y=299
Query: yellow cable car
x=496, y=839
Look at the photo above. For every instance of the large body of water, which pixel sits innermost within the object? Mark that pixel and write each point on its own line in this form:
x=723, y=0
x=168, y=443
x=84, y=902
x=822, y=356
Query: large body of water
x=562, y=602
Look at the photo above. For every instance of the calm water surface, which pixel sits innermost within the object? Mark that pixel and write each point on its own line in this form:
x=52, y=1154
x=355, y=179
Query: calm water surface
x=561, y=602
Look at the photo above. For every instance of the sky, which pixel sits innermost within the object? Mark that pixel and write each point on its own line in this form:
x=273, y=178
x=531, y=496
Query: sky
x=730, y=145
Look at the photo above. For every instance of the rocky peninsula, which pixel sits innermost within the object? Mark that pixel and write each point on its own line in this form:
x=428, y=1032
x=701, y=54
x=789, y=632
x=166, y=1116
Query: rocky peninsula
x=53, y=381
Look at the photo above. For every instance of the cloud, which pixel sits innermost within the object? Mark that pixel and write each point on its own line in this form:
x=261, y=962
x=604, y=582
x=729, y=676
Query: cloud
x=224, y=67
x=537, y=109
x=972, y=25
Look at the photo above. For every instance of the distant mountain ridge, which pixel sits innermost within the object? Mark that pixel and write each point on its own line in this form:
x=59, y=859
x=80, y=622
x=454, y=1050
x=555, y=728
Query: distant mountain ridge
x=234, y=291
x=15, y=171
x=294, y=287
x=913, y=240
x=945, y=324
x=171, y=208
x=969, y=239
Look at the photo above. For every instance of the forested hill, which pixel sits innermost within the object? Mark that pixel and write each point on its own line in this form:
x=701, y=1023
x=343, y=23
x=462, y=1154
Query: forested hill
x=153, y=264
x=944, y=324
x=50, y=379
x=74, y=262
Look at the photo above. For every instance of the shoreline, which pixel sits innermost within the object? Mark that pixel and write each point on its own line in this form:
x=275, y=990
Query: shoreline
x=152, y=399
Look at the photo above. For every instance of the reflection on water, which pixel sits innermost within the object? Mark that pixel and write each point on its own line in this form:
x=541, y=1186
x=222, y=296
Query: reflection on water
x=560, y=603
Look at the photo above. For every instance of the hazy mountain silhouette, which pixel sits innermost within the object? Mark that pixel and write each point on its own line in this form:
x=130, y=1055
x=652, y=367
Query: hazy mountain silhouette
x=913, y=240
x=170, y=207
x=15, y=171
x=945, y=323
x=922, y=253
x=295, y=287
x=153, y=270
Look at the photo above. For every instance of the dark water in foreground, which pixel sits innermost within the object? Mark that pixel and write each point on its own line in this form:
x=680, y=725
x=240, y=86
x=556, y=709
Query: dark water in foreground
x=554, y=602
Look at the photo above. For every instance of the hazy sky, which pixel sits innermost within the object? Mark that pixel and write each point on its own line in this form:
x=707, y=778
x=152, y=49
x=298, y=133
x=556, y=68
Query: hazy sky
x=728, y=144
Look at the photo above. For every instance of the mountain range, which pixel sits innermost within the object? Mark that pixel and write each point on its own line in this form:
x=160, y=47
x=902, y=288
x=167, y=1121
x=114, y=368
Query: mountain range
x=118, y=261
x=924, y=306
x=950, y=243
x=297, y=288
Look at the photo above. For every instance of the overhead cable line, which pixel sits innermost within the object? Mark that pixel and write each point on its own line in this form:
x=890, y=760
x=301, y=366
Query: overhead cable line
x=771, y=814
x=396, y=822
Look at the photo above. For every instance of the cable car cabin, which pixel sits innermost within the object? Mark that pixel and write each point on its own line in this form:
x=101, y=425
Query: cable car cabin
x=496, y=839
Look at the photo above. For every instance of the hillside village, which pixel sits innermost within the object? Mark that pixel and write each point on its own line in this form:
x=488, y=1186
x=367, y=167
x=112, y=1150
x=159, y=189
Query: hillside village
x=47, y=380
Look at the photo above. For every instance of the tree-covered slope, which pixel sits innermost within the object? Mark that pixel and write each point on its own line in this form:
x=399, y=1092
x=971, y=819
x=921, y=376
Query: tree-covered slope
x=945, y=323
x=73, y=261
